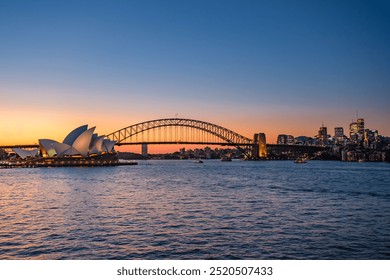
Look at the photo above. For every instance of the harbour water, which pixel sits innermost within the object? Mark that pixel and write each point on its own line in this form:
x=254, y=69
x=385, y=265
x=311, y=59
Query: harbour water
x=183, y=210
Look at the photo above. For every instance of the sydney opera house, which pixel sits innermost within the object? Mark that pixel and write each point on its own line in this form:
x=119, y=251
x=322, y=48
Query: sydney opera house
x=81, y=147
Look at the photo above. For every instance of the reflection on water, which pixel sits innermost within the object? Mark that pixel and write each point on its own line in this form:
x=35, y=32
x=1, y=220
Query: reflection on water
x=182, y=210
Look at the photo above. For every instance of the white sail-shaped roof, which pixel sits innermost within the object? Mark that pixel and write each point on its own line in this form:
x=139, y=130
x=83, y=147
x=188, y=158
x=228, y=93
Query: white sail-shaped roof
x=94, y=137
x=47, y=147
x=82, y=142
x=72, y=136
x=25, y=153
x=70, y=152
x=61, y=148
x=97, y=145
x=108, y=145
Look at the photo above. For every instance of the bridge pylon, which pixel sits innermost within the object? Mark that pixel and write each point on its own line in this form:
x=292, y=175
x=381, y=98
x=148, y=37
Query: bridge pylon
x=259, y=148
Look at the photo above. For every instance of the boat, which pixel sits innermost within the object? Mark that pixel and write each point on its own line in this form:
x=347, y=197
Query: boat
x=198, y=161
x=300, y=160
x=226, y=159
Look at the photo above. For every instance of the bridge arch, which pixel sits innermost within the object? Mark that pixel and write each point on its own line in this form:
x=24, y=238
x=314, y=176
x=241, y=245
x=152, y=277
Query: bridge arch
x=219, y=134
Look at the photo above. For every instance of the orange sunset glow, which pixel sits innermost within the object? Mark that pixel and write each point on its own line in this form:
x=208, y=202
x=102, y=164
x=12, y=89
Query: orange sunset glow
x=194, y=139
x=275, y=81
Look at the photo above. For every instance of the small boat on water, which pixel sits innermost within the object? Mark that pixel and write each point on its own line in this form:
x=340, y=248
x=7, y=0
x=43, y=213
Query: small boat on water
x=198, y=161
x=226, y=159
x=300, y=160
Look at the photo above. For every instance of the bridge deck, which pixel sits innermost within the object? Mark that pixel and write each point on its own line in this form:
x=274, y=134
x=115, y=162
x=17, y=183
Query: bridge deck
x=27, y=146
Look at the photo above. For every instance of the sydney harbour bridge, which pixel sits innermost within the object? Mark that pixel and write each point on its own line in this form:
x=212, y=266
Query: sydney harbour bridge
x=185, y=131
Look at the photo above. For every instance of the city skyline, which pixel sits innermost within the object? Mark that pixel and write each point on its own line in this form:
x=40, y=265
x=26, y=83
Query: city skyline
x=277, y=68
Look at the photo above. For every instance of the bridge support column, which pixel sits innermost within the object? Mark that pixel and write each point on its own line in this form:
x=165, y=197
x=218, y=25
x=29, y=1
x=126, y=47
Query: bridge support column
x=255, y=147
x=259, y=149
x=262, y=146
x=144, y=150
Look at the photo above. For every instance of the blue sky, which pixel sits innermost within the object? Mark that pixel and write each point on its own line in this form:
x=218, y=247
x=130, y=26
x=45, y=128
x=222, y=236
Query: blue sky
x=274, y=66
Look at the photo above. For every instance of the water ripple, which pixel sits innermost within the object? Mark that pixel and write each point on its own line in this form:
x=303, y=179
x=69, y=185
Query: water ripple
x=180, y=210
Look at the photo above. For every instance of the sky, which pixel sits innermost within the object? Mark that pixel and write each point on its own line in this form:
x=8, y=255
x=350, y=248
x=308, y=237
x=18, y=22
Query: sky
x=278, y=67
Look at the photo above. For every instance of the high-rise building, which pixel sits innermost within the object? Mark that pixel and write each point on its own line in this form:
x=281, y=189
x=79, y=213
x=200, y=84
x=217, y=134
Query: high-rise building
x=360, y=125
x=356, y=131
x=338, y=132
x=339, y=136
x=353, y=131
x=323, y=135
x=370, y=136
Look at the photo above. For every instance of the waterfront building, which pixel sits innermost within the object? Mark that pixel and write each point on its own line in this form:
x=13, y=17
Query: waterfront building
x=79, y=142
x=79, y=148
x=284, y=139
x=303, y=140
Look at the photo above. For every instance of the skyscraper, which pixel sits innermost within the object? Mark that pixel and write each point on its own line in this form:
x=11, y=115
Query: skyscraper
x=360, y=125
x=323, y=135
x=353, y=131
x=356, y=131
x=339, y=134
